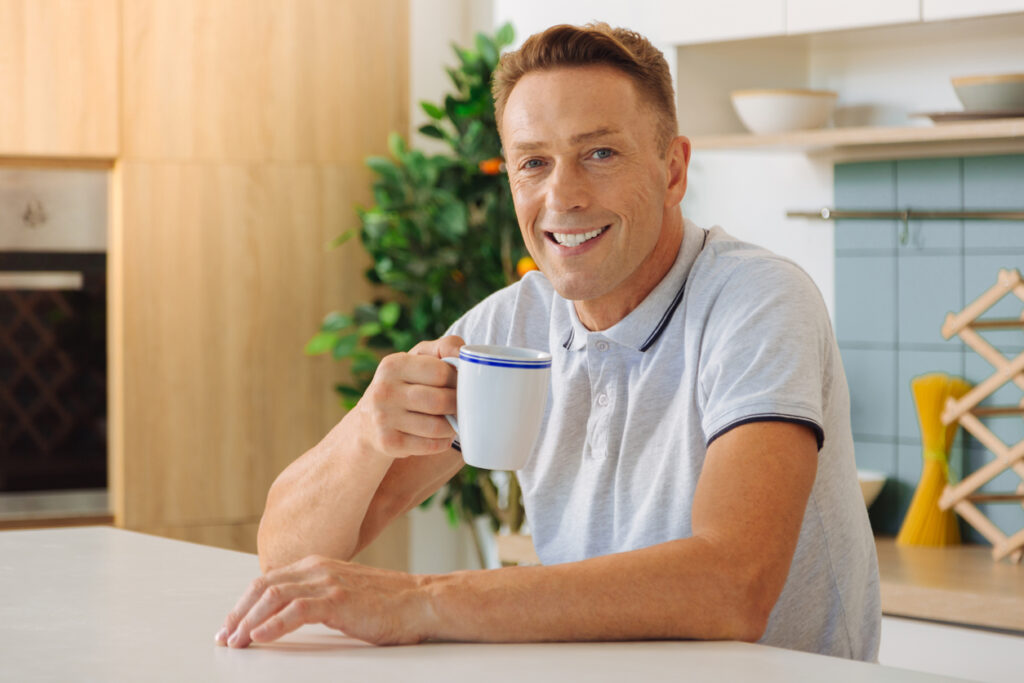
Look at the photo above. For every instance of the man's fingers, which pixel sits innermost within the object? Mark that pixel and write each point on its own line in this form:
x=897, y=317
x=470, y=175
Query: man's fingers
x=449, y=346
x=424, y=426
x=296, y=613
x=273, y=600
x=426, y=370
x=252, y=595
x=429, y=400
x=241, y=608
x=408, y=368
x=439, y=348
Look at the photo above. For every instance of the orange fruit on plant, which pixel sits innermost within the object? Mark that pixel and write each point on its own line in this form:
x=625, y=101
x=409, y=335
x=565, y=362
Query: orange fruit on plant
x=525, y=265
x=492, y=166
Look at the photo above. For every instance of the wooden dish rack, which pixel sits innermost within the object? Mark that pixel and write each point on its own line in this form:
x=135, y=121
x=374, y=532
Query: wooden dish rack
x=963, y=496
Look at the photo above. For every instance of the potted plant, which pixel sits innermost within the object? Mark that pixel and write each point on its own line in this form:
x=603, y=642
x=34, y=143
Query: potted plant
x=442, y=235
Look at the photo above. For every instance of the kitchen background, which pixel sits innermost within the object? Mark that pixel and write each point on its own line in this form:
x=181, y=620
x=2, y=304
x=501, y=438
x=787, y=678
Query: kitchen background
x=889, y=61
x=219, y=145
x=225, y=140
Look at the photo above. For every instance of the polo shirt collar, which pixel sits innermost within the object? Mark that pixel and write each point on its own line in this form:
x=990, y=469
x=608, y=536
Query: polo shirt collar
x=642, y=327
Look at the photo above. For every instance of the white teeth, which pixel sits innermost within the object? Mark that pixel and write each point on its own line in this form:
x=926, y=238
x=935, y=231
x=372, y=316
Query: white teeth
x=575, y=239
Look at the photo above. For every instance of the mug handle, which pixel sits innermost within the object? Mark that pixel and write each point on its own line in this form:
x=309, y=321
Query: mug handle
x=452, y=419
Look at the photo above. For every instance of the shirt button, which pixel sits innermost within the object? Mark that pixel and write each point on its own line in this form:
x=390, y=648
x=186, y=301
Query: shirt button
x=602, y=346
x=602, y=400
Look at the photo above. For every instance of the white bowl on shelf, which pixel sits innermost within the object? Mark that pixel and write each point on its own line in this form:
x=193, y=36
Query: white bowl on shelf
x=781, y=110
x=998, y=92
x=871, y=484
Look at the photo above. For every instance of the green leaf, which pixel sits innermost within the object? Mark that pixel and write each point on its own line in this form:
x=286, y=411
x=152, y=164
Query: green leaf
x=452, y=514
x=344, y=346
x=364, y=364
x=472, y=142
x=403, y=341
x=370, y=329
x=348, y=391
x=385, y=168
x=320, y=343
x=389, y=313
x=487, y=49
x=432, y=110
x=452, y=219
x=432, y=131
x=365, y=313
x=505, y=35
x=342, y=238
x=454, y=75
x=396, y=145
x=335, y=322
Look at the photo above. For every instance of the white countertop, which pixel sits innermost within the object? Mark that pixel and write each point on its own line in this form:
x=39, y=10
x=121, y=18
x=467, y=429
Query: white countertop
x=102, y=604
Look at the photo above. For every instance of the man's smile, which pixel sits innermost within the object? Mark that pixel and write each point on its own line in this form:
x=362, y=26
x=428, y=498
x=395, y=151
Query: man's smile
x=575, y=239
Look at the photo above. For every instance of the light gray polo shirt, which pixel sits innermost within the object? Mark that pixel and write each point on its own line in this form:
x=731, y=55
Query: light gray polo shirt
x=732, y=334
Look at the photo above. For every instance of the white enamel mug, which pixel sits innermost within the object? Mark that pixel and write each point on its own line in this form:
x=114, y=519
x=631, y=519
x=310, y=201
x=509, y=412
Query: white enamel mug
x=502, y=392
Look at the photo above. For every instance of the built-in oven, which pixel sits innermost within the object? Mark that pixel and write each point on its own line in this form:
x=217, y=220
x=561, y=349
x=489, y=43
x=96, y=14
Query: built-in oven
x=53, y=331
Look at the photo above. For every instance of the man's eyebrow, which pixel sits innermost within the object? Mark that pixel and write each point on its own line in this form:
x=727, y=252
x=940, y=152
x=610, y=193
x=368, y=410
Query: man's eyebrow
x=575, y=139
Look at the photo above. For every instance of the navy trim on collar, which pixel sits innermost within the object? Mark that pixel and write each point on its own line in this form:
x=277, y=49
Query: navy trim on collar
x=628, y=331
x=568, y=340
x=667, y=317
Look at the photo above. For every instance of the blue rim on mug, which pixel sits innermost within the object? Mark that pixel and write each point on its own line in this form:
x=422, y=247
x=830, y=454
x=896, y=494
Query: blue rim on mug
x=502, y=359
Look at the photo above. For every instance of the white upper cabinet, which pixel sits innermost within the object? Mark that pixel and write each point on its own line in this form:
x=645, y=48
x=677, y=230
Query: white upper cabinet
x=699, y=21
x=662, y=21
x=934, y=10
x=531, y=16
x=808, y=16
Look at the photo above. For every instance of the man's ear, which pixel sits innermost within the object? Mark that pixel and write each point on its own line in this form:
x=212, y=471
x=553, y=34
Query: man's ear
x=678, y=157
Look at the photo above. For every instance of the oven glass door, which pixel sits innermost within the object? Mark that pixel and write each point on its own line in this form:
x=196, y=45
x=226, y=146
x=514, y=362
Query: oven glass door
x=53, y=371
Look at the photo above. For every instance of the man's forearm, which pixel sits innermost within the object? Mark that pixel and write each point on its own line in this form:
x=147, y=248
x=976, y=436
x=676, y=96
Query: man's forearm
x=318, y=504
x=682, y=589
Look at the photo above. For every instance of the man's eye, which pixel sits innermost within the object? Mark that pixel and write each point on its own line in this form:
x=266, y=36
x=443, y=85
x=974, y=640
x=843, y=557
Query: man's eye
x=532, y=163
x=603, y=153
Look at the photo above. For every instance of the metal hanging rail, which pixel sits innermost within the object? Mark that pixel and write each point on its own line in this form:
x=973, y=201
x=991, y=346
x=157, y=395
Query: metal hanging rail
x=906, y=215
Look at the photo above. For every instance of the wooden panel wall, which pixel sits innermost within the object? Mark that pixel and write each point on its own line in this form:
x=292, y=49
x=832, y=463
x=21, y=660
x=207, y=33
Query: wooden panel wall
x=59, y=78
x=246, y=123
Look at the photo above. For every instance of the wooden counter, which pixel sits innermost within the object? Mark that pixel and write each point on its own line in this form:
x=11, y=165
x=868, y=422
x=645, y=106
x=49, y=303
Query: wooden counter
x=956, y=584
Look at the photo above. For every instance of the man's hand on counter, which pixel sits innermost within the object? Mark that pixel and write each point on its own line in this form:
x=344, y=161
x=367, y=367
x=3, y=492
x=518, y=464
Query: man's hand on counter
x=375, y=605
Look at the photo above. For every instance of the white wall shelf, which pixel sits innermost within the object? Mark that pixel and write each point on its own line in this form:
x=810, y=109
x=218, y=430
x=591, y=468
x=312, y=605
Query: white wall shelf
x=1004, y=132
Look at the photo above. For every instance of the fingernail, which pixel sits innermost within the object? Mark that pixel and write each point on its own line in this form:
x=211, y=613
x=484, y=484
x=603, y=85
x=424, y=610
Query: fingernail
x=233, y=640
x=222, y=635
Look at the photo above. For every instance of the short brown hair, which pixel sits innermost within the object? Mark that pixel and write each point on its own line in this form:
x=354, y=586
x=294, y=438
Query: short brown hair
x=591, y=45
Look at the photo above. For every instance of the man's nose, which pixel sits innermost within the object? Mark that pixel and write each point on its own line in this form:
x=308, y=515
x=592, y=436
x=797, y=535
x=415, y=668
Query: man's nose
x=567, y=189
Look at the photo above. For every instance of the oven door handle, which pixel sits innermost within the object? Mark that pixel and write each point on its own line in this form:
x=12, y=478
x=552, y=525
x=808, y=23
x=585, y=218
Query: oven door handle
x=41, y=279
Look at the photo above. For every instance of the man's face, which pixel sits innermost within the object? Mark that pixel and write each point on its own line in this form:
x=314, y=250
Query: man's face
x=591, y=188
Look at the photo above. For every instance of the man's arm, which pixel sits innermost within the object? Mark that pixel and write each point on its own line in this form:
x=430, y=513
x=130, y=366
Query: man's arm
x=721, y=583
x=385, y=457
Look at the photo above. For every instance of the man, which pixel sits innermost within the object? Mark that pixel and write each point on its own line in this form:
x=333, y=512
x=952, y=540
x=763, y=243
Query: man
x=694, y=477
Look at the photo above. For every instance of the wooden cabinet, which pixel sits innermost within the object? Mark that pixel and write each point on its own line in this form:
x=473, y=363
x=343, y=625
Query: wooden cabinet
x=246, y=125
x=933, y=10
x=224, y=275
x=263, y=80
x=59, y=78
x=807, y=16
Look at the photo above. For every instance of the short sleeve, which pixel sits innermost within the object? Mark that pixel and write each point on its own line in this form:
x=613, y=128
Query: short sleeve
x=765, y=352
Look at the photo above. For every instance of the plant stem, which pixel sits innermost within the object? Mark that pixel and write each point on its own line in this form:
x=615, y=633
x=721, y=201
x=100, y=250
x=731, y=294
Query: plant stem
x=515, y=504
